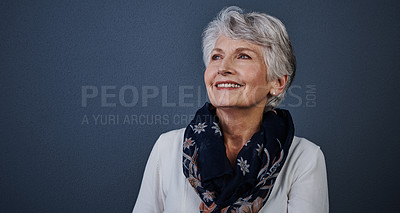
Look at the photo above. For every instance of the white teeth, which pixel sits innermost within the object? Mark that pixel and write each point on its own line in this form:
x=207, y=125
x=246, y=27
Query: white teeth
x=229, y=85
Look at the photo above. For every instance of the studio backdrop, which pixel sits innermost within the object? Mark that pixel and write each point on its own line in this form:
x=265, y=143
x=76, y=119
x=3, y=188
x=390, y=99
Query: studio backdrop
x=87, y=87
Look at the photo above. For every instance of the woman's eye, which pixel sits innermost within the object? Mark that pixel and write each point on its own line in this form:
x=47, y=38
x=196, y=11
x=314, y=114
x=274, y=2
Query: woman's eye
x=244, y=56
x=216, y=57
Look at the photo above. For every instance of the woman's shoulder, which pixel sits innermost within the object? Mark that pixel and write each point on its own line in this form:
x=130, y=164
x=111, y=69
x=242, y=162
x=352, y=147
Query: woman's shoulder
x=173, y=133
x=167, y=153
x=171, y=137
x=304, y=153
x=170, y=142
x=304, y=145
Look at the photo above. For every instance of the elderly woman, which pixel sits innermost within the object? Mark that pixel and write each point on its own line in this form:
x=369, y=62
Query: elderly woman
x=239, y=154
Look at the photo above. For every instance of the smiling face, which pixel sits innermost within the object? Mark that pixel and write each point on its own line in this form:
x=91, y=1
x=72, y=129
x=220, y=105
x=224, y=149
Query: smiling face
x=236, y=75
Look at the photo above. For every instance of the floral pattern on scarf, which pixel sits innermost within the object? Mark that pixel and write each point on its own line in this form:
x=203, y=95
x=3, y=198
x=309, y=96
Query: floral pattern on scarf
x=246, y=186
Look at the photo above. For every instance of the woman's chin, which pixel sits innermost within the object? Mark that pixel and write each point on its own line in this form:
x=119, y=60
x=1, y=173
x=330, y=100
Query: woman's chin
x=224, y=103
x=231, y=105
x=238, y=105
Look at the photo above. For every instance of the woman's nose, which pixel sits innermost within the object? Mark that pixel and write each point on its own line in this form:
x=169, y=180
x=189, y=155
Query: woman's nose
x=225, y=67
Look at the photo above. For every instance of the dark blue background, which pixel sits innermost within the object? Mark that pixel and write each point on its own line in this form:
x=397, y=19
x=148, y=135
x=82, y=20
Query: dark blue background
x=348, y=51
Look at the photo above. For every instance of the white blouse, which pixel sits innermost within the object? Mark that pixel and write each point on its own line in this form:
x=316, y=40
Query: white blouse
x=300, y=187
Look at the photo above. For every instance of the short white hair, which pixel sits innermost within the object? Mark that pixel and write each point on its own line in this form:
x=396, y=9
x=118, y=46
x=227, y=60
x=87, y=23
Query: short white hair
x=261, y=29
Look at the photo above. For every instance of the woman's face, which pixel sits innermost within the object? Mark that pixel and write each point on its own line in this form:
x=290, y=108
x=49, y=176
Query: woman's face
x=236, y=75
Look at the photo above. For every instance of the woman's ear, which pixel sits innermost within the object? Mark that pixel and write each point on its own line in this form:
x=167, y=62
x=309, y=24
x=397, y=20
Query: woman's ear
x=278, y=85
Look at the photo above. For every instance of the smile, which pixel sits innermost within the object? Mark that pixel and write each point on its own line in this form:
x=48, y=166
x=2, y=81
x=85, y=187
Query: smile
x=228, y=85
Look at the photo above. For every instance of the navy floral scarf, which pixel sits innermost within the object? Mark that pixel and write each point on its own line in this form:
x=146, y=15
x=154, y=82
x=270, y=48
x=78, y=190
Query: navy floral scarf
x=247, y=186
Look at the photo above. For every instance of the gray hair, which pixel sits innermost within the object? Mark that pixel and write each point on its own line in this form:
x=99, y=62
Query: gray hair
x=261, y=29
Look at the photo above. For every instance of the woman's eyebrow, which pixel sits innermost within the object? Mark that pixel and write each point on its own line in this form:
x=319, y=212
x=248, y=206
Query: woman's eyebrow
x=236, y=50
x=217, y=50
x=240, y=49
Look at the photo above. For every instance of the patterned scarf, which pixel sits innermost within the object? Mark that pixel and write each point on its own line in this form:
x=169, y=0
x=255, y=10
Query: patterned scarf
x=247, y=186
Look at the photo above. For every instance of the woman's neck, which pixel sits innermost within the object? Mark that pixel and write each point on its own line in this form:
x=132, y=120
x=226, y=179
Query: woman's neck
x=238, y=126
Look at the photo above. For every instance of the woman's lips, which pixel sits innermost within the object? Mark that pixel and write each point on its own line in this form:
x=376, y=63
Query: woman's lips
x=227, y=85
